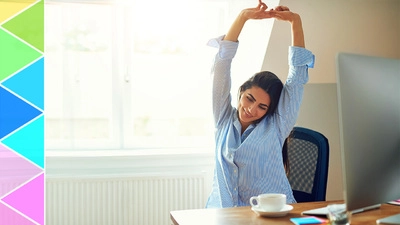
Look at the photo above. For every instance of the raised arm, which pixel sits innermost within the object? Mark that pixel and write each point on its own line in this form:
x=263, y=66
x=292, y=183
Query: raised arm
x=283, y=13
x=251, y=13
x=300, y=59
x=260, y=12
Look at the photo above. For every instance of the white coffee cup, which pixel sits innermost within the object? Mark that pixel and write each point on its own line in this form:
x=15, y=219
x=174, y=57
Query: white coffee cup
x=271, y=202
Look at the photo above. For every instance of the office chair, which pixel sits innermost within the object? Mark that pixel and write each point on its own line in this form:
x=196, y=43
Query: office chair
x=308, y=154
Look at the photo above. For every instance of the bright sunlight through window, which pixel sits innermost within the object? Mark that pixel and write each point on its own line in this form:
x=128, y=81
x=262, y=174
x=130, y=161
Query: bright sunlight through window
x=130, y=75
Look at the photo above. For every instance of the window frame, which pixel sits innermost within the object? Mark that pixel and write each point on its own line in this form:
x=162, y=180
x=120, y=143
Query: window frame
x=121, y=86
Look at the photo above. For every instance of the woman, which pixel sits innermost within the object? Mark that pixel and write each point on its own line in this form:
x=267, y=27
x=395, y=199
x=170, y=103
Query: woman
x=249, y=138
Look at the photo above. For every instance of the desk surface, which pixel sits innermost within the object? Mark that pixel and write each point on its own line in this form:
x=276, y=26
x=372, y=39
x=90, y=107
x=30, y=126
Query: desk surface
x=244, y=215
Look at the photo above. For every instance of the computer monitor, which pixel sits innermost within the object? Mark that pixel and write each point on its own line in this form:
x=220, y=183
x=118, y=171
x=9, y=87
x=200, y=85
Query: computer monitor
x=369, y=120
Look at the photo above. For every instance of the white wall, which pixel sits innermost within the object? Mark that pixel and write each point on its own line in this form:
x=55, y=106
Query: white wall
x=370, y=27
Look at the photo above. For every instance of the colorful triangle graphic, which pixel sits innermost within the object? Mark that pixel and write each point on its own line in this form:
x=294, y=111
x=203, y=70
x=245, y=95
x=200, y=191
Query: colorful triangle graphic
x=10, y=217
x=29, y=199
x=21, y=43
x=29, y=25
x=29, y=141
x=14, y=170
x=14, y=54
x=9, y=8
x=14, y=112
x=29, y=83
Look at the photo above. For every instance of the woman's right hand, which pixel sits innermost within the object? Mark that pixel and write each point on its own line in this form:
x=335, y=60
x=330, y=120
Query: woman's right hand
x=259, y=12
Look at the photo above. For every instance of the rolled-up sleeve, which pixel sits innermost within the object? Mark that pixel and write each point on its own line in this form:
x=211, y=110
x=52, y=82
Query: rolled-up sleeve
x=300, y=56
x=227, y=49
x=300, y=59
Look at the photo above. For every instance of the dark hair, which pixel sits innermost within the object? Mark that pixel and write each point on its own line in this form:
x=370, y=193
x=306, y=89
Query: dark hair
x=270, y=83
x=285, y=153
x=285, y=156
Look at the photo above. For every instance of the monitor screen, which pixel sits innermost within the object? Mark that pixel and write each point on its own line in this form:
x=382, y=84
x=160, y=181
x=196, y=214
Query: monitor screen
x=369, y=115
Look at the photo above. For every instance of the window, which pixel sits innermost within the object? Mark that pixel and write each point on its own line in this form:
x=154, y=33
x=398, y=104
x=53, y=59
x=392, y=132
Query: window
x=169, y=73
x=131, y=74
x=80, y=76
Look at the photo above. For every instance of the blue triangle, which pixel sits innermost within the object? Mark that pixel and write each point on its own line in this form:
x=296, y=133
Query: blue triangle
x=29, y=141
x=14, y=112
x=29, y=83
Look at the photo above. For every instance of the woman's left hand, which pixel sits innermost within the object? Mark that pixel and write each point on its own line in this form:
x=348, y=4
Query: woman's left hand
x=283, y=13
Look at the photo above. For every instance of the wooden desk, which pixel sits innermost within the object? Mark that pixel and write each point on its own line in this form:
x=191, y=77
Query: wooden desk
x=245, y=216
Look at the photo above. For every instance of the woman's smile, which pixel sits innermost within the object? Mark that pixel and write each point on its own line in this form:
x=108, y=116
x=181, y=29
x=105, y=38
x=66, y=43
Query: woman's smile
x=253, y=105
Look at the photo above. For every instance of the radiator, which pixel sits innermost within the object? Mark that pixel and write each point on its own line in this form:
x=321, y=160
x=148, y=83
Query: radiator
x=122, y=200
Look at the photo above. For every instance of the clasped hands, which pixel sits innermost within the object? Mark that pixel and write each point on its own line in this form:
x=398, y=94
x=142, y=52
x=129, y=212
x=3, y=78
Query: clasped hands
x=263, y=7
x=261, y=12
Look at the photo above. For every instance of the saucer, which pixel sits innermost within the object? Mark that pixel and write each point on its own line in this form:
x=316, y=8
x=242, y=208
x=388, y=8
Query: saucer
x=282, y=212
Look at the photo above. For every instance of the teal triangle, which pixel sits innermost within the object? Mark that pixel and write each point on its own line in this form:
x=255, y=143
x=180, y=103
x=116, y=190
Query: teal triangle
x=29, y=141
x=29, y=83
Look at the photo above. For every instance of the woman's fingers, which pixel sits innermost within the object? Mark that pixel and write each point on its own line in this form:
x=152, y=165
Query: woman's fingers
x=283, y=15
x=261, y=6
x=282, y=8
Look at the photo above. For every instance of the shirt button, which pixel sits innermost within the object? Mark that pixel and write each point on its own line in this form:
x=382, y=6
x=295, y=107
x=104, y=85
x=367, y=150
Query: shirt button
x=234, y=189
x=235, y=171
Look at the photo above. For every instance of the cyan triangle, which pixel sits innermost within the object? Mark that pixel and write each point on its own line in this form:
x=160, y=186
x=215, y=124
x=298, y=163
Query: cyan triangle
x=29, y=83
x=14, y=112
x=29, y=141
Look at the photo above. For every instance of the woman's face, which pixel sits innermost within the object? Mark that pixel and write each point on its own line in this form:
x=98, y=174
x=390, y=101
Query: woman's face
x=253, y=105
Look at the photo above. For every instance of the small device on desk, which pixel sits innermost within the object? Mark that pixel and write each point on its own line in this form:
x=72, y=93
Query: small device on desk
x=395, y=219
x=323, y=211
x=369, y=120
x=309, y=220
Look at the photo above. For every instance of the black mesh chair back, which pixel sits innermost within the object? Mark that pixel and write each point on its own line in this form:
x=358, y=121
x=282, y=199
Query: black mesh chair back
x=308, y=154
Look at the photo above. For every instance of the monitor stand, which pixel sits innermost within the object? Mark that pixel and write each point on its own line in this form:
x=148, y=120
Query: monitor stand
x=395, y=219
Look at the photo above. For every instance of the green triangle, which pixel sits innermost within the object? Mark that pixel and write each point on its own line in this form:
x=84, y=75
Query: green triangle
x=29, y=25
x=14, y=54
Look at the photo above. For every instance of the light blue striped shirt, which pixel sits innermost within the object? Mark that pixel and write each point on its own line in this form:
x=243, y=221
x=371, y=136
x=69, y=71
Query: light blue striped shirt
x=251, y=164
